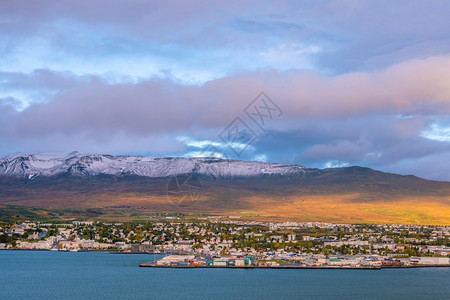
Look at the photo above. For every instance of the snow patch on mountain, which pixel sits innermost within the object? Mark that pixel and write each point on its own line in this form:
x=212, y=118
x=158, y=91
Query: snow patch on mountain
x=49, y=164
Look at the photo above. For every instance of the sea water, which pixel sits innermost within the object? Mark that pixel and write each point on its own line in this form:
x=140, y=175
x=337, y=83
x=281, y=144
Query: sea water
x=95, y=275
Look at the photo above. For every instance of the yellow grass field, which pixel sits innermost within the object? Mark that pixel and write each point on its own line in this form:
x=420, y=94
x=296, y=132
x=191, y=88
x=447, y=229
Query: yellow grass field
x=340, y=209
x=344, y=208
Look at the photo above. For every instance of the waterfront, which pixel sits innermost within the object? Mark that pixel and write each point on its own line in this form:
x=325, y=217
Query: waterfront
x=243, y=243
x=51, y=274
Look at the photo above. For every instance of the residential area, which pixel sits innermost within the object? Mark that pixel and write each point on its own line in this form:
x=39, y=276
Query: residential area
x=236, y=243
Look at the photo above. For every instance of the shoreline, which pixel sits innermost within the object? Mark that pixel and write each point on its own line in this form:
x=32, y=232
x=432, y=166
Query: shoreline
x=144, y=265
x=153, y=265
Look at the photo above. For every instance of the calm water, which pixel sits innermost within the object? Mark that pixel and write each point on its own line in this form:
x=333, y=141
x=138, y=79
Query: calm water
x=57, y=275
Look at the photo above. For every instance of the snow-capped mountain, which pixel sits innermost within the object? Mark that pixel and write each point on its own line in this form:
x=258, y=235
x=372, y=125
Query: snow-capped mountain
x=42, y=181
x=48, y=164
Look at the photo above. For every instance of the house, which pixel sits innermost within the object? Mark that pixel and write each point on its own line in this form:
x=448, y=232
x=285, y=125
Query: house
x=400, y=247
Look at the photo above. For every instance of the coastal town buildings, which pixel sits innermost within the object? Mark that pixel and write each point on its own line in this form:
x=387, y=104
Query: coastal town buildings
x=241, y=243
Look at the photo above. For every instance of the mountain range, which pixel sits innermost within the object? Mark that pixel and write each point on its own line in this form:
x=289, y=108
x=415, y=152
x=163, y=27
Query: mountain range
x=100, y=185
x=47, y=164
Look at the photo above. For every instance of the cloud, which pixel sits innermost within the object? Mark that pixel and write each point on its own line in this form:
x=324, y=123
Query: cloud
x=352, y=118
x=419, y=87
x=437, y=133
x=203, y=40
x=358, y=82
x=21, y=89
x=335, y=164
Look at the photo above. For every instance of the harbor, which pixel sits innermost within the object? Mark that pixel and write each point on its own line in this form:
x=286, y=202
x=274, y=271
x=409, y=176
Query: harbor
x=120, y=275
x=249, y=262
x=152, y=265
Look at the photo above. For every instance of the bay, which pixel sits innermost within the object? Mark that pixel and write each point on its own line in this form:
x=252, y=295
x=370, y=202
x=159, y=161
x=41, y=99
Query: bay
x=94, y=275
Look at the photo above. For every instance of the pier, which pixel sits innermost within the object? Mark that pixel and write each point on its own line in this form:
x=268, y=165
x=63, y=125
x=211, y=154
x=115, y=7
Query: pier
x=153, y=264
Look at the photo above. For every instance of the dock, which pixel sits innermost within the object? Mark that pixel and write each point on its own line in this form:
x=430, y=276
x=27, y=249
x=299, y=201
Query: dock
x=154, y=265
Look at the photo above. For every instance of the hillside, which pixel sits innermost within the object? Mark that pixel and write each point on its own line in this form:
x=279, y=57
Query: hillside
x=108, y=186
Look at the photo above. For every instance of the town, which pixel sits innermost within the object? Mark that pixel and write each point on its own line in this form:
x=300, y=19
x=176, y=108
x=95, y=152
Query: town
x=223, y=242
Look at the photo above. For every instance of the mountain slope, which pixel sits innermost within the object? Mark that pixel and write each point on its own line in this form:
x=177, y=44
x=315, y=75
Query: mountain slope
x=108, y=184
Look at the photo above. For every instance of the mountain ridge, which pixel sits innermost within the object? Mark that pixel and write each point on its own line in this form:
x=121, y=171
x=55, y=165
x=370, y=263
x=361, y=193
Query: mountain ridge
x=32, y=165
x=48, y=164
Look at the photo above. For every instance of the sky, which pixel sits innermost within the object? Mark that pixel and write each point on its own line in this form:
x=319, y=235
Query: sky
x=315, y=83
